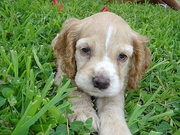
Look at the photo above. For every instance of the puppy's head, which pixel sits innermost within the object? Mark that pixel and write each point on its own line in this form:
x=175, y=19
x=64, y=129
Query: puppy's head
x=102, y=54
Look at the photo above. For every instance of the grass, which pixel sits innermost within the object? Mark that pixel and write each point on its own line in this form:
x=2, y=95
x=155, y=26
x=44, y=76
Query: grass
x=31, y=104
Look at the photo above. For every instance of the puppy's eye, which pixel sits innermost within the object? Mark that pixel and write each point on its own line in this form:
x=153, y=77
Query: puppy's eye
x=86, y=51
x=122, y=57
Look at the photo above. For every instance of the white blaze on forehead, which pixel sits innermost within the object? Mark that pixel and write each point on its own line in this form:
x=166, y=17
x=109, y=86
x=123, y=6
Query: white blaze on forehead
x=109, y=33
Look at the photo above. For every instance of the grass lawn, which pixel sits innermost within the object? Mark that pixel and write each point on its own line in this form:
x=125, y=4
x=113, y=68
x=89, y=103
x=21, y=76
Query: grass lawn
x=31, y=104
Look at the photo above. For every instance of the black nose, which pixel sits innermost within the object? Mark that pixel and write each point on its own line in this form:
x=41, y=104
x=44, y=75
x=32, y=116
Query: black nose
x=100, y=82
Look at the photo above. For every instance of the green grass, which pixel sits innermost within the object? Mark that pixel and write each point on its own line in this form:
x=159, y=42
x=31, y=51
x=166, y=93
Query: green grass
x=31, y=104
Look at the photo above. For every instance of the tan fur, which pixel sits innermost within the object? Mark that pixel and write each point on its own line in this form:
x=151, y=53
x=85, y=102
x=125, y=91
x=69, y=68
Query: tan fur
x=64, y=47
x=141, y=61
x=107, y=36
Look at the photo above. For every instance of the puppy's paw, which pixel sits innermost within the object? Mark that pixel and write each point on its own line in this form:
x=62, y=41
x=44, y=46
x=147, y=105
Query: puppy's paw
x=83, y=116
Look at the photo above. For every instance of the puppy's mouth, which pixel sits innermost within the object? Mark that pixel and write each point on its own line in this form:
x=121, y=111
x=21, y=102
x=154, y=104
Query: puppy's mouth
x=99, y=85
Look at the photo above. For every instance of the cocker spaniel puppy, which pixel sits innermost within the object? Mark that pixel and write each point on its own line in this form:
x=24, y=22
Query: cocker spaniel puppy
x=102, y=56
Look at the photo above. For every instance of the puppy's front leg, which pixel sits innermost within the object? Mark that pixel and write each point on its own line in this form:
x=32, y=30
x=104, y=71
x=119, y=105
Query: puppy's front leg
x=83, y=109
x=111, y=115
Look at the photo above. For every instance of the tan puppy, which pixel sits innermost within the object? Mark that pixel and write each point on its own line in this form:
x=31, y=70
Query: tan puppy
x=102, y=55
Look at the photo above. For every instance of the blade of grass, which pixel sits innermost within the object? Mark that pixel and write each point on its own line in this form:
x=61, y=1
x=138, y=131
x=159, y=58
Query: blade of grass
x=22, y=125
x=177, y=132
x=153, y=96
x=17, y=129
x=15, y=62
x=49, y=83
x=4, y=56
x=28, y=66
x=53, y=110
x=37, y=102
x=30, y=89
x=170, y=112
x=155, y=66
x=37, y=60
x=32, y=108
x=47, y=131
x=56, y=99
x=39, y=98
x=139, y=109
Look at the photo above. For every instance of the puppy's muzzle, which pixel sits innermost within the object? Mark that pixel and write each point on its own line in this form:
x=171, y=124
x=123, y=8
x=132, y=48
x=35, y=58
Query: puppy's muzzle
x=100, y=82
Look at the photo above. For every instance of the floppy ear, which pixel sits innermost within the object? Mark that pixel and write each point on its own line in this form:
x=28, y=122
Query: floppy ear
x=140, y=60
x=64, y=48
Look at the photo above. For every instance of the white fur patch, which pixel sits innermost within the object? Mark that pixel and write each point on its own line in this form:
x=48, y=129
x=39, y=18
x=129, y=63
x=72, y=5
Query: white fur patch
x=109, y=33
x=106, y=69
x=128, y=49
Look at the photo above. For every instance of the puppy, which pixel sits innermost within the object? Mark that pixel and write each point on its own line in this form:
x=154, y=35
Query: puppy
x=102, y=56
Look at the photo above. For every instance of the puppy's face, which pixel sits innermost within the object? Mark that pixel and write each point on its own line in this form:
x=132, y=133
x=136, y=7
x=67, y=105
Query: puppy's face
x=108, y=54
x=103, y=56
